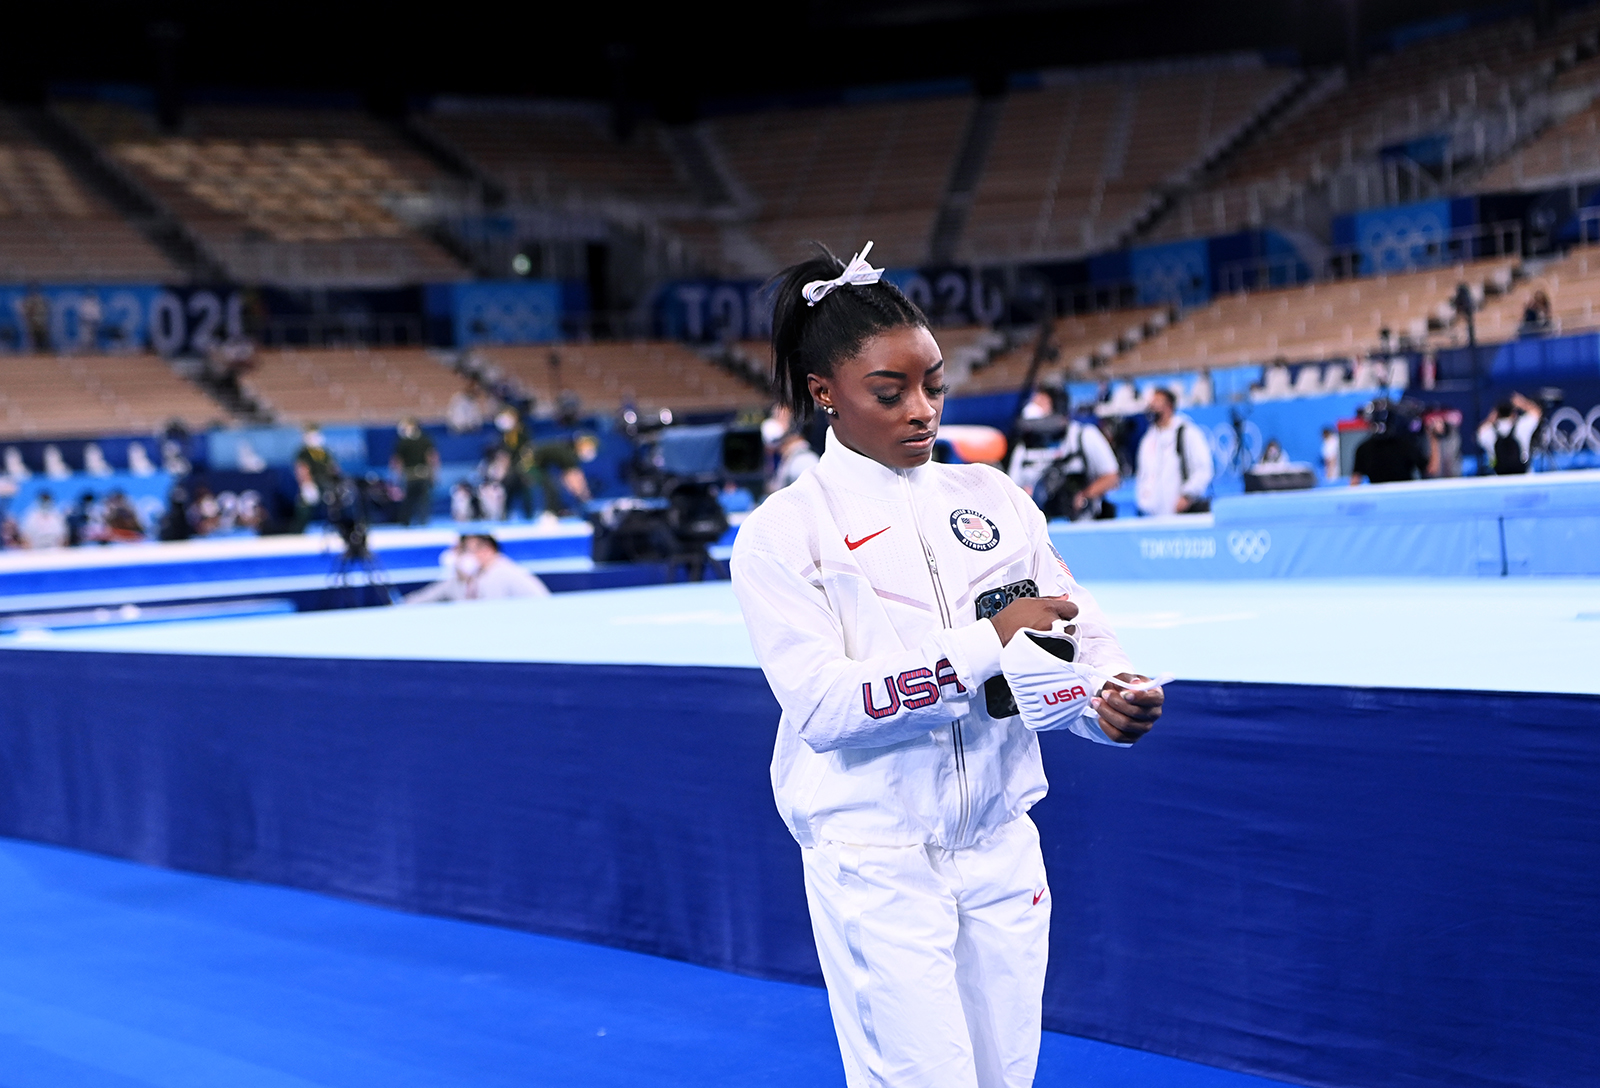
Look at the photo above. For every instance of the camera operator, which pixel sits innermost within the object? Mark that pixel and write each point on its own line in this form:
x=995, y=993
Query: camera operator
x=1506, y=435
x=1392, y=452
x=1069, y=477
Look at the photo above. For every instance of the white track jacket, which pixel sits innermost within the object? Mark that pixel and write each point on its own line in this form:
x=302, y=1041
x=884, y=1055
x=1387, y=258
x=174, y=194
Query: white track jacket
x=859, y=585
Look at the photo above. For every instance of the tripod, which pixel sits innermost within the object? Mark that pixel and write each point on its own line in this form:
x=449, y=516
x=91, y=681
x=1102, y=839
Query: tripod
x=357, y=572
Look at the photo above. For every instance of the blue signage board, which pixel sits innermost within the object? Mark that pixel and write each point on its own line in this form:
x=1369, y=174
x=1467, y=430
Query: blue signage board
x=504, y=311
x=119, y=317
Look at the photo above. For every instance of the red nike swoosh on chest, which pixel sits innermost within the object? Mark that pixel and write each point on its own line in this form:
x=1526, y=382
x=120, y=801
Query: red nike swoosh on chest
x=854, y=544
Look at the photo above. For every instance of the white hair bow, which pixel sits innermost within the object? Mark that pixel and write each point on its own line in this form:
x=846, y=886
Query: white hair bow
x=857, y=272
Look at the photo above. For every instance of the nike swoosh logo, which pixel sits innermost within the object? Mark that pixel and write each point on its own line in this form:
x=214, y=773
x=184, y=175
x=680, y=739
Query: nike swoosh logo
x=1039, y=895
x=853, y=545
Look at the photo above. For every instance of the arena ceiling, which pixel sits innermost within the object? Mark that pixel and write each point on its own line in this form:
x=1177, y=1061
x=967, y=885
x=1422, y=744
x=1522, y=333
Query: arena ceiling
x=666, y=57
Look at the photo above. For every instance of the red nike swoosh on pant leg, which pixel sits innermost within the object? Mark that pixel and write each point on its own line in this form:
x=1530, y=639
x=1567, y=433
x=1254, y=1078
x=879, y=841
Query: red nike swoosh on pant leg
x=853, y=545
x=1039, y=895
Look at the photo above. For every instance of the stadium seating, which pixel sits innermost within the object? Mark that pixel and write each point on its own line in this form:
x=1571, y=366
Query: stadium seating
x=1568, y=151
x=297, y=197
x=1572, y=284
x=646, y=374
x=97, y=394
x=557, y=153
x=53, y=230
x=378, y=385
x=1075, y=164
x=1333, y=320
x=1410, y=93
x=842, y=174
x=1080, y=340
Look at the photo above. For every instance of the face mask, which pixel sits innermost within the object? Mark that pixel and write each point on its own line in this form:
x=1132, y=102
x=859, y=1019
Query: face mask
x=505, y=423
x=1034, y=411
x=408, y=430
x=772, y=432
x=314, y=440
x=467, y=565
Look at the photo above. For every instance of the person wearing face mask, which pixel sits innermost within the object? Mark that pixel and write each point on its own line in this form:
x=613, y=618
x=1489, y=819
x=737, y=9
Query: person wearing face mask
x=315, y=474
x=1174, y=469
x=792, y=454
x=520, y=461
x=892, y=602
x=1066, y=464
x=476, y=570
x=416, y=462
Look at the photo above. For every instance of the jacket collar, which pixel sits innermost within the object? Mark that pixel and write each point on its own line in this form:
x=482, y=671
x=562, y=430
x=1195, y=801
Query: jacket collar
x=843, y=467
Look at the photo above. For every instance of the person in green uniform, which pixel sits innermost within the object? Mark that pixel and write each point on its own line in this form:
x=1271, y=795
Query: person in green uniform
x=515, y=442
x=416, y=462
x=316, y=473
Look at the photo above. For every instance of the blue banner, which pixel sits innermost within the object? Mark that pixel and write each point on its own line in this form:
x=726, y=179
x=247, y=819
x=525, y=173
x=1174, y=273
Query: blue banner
x=1405, y=236
x=707, y=310
x=1176, y=272
x=504, y=311
x=119, y=317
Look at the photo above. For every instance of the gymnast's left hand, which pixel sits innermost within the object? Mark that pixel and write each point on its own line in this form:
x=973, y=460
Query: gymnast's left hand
x=1125, y=716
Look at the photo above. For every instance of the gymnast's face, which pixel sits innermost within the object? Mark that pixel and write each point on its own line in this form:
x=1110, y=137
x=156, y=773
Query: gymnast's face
x=888, y=396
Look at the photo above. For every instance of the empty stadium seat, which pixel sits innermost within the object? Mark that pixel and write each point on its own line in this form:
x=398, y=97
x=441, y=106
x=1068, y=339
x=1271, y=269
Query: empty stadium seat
x=294, y=197
x=53, y=230
x=97, y=394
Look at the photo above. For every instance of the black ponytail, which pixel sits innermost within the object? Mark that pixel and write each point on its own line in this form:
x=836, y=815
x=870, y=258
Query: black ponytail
x=810, y=339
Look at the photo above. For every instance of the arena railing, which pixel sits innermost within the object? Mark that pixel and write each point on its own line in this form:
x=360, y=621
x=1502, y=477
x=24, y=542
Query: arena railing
x=1483, y=241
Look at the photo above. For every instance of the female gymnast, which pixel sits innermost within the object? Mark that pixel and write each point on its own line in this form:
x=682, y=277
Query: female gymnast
x=885, y=594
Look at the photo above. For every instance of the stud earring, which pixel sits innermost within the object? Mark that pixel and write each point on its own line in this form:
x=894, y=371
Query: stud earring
x=832, y=411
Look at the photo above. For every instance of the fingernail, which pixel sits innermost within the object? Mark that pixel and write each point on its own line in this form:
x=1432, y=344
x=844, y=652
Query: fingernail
x=1095, y=703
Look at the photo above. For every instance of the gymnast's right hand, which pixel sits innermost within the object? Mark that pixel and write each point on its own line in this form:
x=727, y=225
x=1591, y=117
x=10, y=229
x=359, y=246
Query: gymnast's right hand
x=1033, y=613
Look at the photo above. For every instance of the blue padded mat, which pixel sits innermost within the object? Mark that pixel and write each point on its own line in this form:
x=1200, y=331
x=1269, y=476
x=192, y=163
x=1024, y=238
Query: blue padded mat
x=114, y=975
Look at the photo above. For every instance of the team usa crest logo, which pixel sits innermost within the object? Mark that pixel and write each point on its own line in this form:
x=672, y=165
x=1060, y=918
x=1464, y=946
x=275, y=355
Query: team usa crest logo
x=974, y=530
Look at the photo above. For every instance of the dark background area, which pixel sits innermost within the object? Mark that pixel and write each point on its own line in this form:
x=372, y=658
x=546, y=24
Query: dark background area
x=670, y=59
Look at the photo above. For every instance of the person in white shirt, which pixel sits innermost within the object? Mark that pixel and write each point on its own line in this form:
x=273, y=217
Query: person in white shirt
x=1506, y=436
x=476, y=570
x=1174, y=470
x=884, y=595
x=795, y=459
x=464, y=412
x=44, y=525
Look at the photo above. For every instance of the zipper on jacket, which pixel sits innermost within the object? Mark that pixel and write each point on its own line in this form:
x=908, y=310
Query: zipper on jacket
x=957, y=740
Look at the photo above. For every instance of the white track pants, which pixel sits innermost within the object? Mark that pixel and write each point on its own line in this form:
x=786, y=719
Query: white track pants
x=934, y=958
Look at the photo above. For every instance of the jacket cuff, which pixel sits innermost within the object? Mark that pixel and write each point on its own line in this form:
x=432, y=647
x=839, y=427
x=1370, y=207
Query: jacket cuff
x=977, y=648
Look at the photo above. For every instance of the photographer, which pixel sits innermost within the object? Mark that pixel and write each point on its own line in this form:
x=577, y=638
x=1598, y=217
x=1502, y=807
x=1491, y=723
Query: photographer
x=1506, y=435
x=1070, y=477
x=1393, y=452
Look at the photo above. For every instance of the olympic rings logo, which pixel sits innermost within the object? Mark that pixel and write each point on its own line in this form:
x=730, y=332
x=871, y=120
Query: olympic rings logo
x=1249, y=546
x=1571, y=431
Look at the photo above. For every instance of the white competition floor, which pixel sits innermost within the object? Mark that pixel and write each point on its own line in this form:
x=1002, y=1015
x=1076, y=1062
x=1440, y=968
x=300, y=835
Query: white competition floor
x=1515, y=634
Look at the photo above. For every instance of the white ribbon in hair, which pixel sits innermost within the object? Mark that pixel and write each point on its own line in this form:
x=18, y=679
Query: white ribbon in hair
x=858, y=272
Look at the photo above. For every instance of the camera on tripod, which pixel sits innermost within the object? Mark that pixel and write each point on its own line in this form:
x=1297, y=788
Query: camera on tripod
x=675, y=513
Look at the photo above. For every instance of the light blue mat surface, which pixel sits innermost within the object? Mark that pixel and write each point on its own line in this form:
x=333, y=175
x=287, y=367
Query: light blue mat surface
x=1476, y=634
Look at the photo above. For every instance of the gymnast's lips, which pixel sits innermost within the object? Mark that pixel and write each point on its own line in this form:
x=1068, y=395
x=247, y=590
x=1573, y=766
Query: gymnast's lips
x=920, y=441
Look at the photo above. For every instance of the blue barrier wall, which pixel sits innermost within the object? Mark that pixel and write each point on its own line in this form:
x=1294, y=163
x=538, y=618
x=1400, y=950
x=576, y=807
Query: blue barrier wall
x=1544, y=524
x=1332, y=886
